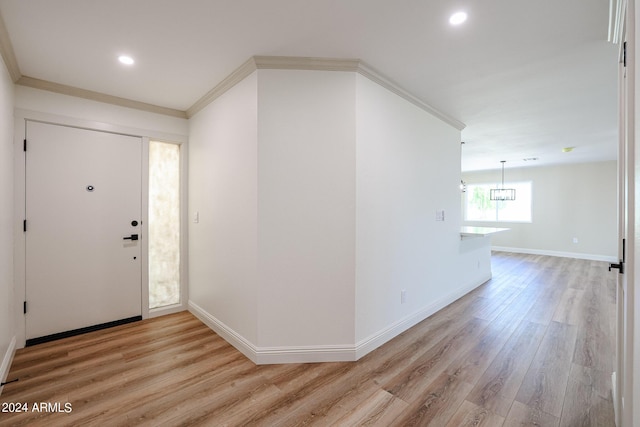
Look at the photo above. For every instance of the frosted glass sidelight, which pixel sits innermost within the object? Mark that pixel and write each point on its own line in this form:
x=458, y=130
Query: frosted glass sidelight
x=164, y=224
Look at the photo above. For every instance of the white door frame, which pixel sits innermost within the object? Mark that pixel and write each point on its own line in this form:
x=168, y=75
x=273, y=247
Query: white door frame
x=631, y=414
x=626, y=386
x=618, y=367
x=20, y=119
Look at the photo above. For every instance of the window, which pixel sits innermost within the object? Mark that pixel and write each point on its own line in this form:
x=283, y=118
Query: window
x=478, y=206
x=164, y=224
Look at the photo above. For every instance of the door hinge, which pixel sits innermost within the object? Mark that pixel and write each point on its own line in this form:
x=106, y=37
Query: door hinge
x=624, y=54
x=24, y=307
x=24, y=226
x=24, y=147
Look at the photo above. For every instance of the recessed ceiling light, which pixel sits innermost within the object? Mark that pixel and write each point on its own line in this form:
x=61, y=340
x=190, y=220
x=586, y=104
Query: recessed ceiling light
x=126, y=60
x=458, y=18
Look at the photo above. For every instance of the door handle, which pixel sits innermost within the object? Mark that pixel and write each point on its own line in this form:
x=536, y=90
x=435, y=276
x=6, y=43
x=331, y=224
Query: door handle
x=132, y=237
x=619, y=266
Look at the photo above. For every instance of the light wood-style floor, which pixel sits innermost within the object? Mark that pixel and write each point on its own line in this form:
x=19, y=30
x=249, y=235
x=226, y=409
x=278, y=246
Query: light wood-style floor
x=533, y=346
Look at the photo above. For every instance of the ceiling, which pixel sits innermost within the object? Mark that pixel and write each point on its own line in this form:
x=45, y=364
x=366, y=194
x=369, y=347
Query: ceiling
x=528, y=78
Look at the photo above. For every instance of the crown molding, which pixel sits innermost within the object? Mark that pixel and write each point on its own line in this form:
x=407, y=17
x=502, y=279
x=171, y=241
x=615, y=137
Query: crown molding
x=230, y=81
x=97, y=96
x=318, y=64
x=7, y=53
x=271, y=63
x=376, y=77
x=305, y=63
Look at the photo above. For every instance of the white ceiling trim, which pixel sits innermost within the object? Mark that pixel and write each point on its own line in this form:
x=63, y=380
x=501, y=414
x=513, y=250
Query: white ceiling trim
x=318, y=64
x=227, y=83
x=306, y=63
x=373, y=75
x=270, y=63
x=8, y=55
x=98, y=96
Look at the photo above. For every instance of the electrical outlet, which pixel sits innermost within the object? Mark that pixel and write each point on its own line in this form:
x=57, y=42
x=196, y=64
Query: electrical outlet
x=440, y=215
x=575, y=240
x=403, y=296
x=196, y=217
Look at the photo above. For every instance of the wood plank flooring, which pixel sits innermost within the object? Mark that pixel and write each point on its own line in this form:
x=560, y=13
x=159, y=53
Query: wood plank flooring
x=533, y=346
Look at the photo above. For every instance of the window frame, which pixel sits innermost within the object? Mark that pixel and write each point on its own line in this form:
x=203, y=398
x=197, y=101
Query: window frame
x=496, y=218
x=148, y=312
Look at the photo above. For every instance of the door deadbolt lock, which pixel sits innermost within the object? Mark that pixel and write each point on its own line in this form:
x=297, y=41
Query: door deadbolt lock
x=132, y=237
x=134, y=223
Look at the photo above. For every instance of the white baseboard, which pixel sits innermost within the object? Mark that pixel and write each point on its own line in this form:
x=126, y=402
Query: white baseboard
x=6, y=361
x=374, y=341
x=306, y=354
x=590, y=257
x=272, y=355
x=228, y=334
x=326, y=353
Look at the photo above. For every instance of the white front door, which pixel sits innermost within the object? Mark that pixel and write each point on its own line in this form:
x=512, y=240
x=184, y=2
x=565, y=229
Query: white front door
x=83, y=212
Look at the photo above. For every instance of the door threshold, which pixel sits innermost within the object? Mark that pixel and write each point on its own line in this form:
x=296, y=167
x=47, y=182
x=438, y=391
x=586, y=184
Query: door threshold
x=60, y=335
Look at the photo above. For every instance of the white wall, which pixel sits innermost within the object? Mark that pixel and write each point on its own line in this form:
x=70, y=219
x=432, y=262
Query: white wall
x=223, y=191
x=407, y=168
x=317, y=193
x=573, y=200
x=152, y=124
x=306, y=206
x=272, y=178
x=7, y=328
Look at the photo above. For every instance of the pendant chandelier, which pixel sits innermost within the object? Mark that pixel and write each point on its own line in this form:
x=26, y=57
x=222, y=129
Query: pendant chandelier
x=502, y=193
